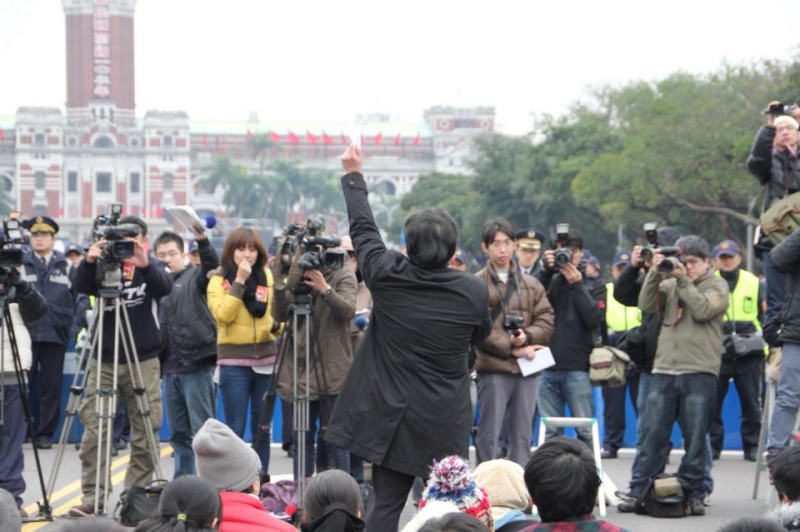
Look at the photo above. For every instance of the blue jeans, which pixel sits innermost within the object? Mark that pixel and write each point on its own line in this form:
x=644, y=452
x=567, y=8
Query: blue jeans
x=190, y=401
x=787, y=400
x=776, y=287
x=239, y=387
x=689, y=400
x=558, y=389
x=319, y=453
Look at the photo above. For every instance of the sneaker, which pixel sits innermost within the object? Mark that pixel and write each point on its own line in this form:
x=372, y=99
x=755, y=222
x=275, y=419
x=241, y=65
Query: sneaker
x=123, y=444
x=44, y=443
x=625, y=495
x=696, y=507
x=608, y=454
x=751, y=456
x=84, y=510
x=626, y=507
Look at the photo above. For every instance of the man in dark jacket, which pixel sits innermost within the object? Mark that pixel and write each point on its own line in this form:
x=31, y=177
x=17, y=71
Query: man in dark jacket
x=189, y=337
x=502, y=389
x=785, y=257
x=48, y=271
x=579, y=314
x=144, y=283
x=406, y=398
x=773, y=161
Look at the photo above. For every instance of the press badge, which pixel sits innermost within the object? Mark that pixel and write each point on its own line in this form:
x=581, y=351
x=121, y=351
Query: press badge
x=261, y=294
x=226, y=285
x=128, y=270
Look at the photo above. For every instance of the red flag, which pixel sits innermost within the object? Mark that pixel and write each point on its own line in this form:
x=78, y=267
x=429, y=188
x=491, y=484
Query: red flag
x=379, y=138
x=397, y=140
x=345, y=140
x=274, y=137
x=416, y=140
x=311, y=137
x=327, y=139
x=294, y=139
x=205, y=139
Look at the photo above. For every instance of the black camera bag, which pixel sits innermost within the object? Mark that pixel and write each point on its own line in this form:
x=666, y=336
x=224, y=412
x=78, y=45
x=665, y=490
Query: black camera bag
x=673, y=504
x=141, y=503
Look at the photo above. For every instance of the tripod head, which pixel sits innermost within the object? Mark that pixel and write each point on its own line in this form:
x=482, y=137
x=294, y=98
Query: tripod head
x=109, y=279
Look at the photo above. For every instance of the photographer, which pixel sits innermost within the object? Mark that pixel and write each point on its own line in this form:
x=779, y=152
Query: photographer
x=743, y=359
x=189, y=336
x=143, y=285
x=578, y=315
x=405, y=401
x=48, y=271
x=25, y=306
x=523, y=322
x=333, y=308
x=773, y=161
x=691, y=300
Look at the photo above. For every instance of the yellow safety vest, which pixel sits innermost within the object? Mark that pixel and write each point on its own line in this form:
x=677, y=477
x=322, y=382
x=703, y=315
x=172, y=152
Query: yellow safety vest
x=619, y=317
x=743, y=302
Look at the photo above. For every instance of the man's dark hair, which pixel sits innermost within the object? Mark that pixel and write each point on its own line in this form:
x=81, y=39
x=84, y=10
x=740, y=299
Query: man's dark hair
x=562, y=479
x=786, y=473
x=694, y=245
x=753, y=524
x=574, y=239
x=332, y=487
x=454, y=522
x=134, y=220
x=166, y=237
x=431, y=238
x=494, y=226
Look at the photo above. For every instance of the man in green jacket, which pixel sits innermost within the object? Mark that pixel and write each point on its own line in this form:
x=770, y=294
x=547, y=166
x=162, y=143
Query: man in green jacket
x=692, y=301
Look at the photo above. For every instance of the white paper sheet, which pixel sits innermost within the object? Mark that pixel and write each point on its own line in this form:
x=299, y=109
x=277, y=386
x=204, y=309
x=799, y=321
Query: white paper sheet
x=542, y=360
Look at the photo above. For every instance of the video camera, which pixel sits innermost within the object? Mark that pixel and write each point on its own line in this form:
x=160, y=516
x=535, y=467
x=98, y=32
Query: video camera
x=562, y=255
x=779, y=109
x=513, y=323
x=117, y=247
x=11, y=248
x=300, y=249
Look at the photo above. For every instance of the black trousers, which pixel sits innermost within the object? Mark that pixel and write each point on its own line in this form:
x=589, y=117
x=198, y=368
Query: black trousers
x=388, y=498
x=748, y=376
x=614, y=409
x=47, y=368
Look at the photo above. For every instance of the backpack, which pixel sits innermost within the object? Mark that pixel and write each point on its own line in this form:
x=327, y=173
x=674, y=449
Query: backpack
x=607, y=366
x=141, y=503
x=665, y=496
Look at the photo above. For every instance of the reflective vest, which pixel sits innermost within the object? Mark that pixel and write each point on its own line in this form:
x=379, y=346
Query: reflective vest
x=619, y=317
x=743, y=302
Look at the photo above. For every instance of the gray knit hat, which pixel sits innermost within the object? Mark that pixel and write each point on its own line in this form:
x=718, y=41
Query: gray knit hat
x=223, y=459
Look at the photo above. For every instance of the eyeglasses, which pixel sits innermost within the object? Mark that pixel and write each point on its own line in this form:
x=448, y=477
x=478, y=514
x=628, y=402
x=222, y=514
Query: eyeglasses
x=167, y=254
x=498, y=244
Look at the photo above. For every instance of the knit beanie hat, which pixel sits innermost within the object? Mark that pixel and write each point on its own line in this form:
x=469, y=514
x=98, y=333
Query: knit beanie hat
x=504, y=483
x=223, y=459
x=788, y=119
x=451, y=480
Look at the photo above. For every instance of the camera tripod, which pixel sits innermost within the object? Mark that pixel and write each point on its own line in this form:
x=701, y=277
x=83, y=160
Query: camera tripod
x=6, y=327
x=301, y=309
x=106, y=393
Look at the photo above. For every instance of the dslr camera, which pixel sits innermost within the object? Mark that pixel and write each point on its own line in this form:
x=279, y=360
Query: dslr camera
x=117, y=247
x=651, y=234
x=779, y=109
x=11, y=249
x=562, y=255
x=673, y=258
x=301, y=248
x=513, y=323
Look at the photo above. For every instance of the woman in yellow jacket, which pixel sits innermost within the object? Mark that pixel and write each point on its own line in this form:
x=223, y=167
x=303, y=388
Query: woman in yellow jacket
x=240, y=299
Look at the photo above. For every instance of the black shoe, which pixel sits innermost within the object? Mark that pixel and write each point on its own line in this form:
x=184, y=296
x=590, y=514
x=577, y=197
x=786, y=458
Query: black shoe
x=626, y=507
x=751, y=456
x=114, y=451
x=696, y=507
x=625, y=495
x=44, y=443
x=715, y=455
x=608, y=454
x=123, y=444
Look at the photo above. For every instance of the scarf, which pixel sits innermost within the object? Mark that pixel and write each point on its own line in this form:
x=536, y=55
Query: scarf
x=258, y=278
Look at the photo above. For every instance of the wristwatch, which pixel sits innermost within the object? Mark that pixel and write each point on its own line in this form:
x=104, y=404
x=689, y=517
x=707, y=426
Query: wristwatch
x=328, y=291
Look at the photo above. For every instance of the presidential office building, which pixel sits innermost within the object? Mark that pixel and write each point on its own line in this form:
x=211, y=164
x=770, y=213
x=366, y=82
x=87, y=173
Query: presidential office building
x=71, y=163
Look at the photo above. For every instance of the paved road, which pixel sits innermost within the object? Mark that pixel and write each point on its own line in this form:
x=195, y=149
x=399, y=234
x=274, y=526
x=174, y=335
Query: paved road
x=731, y=499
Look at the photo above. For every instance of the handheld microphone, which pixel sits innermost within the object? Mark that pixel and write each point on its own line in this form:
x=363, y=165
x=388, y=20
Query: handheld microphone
x=209, y=221
x=361, y=322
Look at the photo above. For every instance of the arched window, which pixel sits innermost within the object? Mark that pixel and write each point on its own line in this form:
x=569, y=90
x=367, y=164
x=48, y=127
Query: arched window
x=103, y=141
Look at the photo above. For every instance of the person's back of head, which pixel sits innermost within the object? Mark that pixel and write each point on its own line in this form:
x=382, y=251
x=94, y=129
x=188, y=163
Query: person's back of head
x=332, y=487
x=786, y=474
x=504, y=483
x=187, y=504
x=223, y=459
x=10, y=520
x=562, y=479
x=454, y=522
x=431, y=238
x=753, y=524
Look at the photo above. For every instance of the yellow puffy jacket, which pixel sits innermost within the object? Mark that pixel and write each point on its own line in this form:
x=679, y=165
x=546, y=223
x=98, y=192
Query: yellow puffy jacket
x=240, y=334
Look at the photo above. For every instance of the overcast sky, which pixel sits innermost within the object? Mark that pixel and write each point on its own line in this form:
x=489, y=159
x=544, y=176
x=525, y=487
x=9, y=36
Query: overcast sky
x=320, y=60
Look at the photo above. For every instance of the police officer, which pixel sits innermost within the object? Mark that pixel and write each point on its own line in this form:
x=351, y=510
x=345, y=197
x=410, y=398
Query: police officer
x=746, y=368
x=529, y=246
x=48, y=271
x=619, y=319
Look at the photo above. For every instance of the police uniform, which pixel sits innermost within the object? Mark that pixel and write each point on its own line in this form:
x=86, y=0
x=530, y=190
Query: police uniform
x=619, y=319
x=533, y=240
x=50, y=334
x=746, y=370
